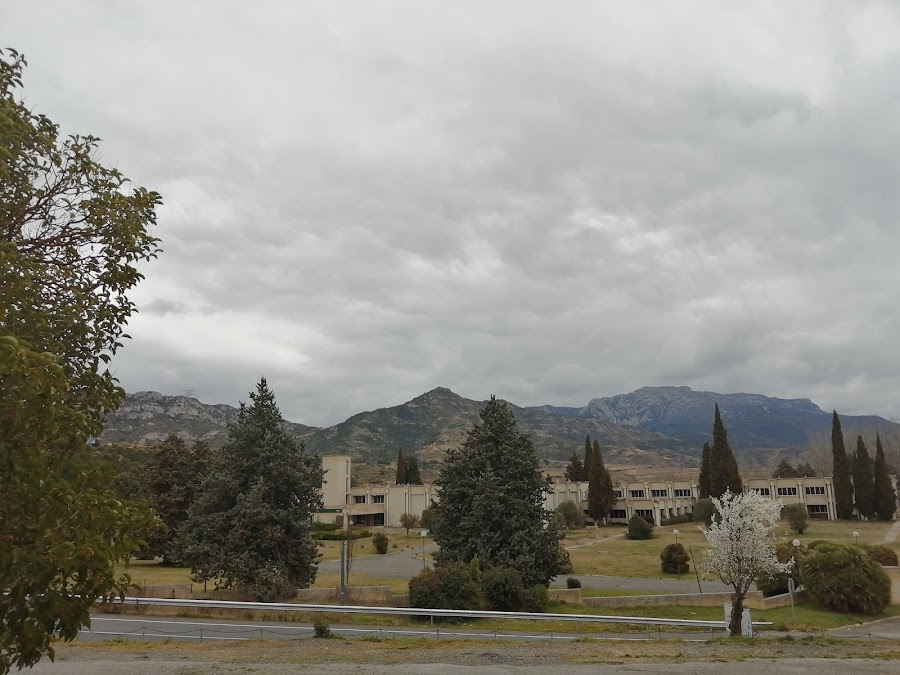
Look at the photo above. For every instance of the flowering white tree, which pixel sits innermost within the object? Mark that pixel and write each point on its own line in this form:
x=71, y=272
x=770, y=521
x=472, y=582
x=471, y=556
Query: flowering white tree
x=742, y=547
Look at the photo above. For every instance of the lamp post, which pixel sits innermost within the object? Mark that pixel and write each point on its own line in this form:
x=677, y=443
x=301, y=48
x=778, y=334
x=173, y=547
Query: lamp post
x=856, y=537
x=796, y=544
x=676, y=533
x=424, y=534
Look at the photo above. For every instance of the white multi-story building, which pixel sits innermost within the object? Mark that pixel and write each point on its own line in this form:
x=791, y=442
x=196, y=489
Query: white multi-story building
x=655, y=501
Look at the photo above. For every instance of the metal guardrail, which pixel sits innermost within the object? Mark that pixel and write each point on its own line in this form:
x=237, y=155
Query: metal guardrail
x=416, y=611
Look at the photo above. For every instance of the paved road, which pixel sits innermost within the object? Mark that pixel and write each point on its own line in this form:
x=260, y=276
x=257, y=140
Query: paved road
x=407, y=564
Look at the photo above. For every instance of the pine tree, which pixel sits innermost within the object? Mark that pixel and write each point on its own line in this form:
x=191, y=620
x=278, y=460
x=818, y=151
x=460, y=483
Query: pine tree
x=588, y=456
x=703, y=482
x=575, y=470
x=402, y=477
x=785, y=470
x=863, y=480
x=843, y=485
x=723, y=469
x=413, y=476
x=883, y=496
x=250, y=525
x=601, y=495
x=492, y=502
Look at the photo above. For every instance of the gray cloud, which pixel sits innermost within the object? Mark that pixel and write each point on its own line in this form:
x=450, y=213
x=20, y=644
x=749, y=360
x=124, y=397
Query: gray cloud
x=364, y=201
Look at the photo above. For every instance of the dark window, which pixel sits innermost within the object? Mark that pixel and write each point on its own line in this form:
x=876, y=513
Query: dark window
x=359, y=499
x=680, y=492
x=378, y=499
x=815, y=490
x=659, y=493
x=618, y=513
x=637, y=494
x=378, y=518
x=785, y=492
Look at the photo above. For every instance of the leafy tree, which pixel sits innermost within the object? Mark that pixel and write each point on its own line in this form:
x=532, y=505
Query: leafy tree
x=785, y=470
x=428, y=519
x=723, y=469
x=401, y=468
x=408, y=520
x=71, y=235
x=703, y=482
x=492, y=502
x=250, y=525
x=601, y=495
x=742, y=547
x=863, y=480
x=841, y=475
x=703, y=511
x=413, y=476
x=588, y=456
x=570, y=515
x=575, y=470
x=884, y=498
x=172, y=477
x=797, y=517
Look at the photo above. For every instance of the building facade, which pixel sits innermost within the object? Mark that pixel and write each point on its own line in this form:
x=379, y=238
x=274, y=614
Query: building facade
x=654, y=501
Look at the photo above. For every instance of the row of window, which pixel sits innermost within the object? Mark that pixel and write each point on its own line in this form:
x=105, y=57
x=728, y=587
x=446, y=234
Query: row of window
x=361, y=499
x=640, y=494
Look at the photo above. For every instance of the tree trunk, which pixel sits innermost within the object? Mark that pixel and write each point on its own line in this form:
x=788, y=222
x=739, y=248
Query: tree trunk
x=737, y=608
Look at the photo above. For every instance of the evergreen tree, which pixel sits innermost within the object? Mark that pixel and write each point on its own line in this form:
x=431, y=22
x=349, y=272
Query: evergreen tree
x=841, y=476
x=805, y=470
x=785, y=470
x=588, y=456
x=413, y=476
x=401, y=478
x=723, y=469
x=883, y=496
x=492, y=502
x=250, y=525
x=172, y=477
x=575, y=470
x=601, y=495
x=703, y=482
x=863, y=480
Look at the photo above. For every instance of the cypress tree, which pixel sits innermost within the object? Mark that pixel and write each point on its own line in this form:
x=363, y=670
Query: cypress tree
x=601, y=495
x=843, y=486
x=575, y=470
x=588, y=456
x=863, y=480
x=413, y=475
x=703, y=483
x=723, y=469
x=883, y=497
x=401, y=469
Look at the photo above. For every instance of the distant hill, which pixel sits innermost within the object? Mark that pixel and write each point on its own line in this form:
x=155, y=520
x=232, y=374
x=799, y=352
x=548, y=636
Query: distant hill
x=430, y=423
x=753, y=421
x=653, y=426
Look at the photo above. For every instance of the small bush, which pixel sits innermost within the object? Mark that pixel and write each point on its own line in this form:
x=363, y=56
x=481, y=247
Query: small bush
x=573, y=582
x=674, y=559
x=322, y=629
x=535, y=599
x=342, y=534
x=503, y=589
x=569, y=515
x=678, y=520
x=845, y=579
x=704, y=510
x=380, y=542
x=796, y=516
x=325, y=527
x=450, y=586
x=638, y=528
x=778, y=584
x=881, y=554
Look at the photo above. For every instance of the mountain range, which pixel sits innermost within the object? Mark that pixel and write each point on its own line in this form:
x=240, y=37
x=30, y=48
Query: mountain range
x=651, y=426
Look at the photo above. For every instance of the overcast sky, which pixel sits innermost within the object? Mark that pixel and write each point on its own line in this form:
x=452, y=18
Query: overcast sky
x=550, y=202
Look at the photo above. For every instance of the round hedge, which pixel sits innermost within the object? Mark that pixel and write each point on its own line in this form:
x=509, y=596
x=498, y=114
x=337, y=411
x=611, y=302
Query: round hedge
x=844, y=579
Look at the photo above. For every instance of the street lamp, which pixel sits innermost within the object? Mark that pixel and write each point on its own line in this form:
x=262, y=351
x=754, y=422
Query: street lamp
x=676, y=533
x=856, y=537
x=423, y=534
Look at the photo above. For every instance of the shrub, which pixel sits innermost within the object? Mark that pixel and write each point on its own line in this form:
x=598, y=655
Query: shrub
x=450, y=586
x=778, y=584
x=324, y=527
x=428, y=519
x=380, y=542
x=844, y=579
x=638, y=528
x=573, y=582
x=503, y=589
x=704, y=510
x=881, y=554
x=674, y=559
x=678, y=520
x=535, y=599
x=796, y=516
x=322, y=629
x=570, y=515
x=342, y=534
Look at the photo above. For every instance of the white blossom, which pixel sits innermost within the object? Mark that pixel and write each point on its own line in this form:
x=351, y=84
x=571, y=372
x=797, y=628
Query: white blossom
x=741, y=541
